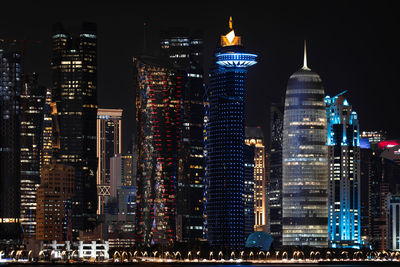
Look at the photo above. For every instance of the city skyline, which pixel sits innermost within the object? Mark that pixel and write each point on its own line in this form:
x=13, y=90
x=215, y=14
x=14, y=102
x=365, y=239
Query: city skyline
x=350, y=45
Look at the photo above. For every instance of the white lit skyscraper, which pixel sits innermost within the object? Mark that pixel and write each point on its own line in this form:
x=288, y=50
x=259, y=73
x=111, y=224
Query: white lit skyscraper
x=305, y=165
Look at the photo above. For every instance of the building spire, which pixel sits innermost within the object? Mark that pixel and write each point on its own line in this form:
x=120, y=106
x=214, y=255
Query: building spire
x=305, y=67
x=230, y=23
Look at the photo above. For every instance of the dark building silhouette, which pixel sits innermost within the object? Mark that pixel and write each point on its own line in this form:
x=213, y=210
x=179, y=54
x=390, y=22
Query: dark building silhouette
x=74, y=91
x=184, y=48
x=225, y=136
x=274, y=193
x=10, y=119
x=32, y=105
x=248, y=195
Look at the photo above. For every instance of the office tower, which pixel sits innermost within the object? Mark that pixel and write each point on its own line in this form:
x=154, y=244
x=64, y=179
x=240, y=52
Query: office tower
x=32, y=104
x=365, y=174
x=47, y=131
x=122, y=172
x=249, y=190
x=305, y=166
x=10, y=93
x=54, y=200
x=74, y=63
x=159, y=89
x=108, y=144
x=394, y=222
x=274, y=192
x=225, y=142
x=255, y=137
x=185, y=48
x=344, y=173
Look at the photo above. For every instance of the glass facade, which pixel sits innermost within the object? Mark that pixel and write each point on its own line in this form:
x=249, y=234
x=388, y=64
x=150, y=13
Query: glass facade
x=225, y=145
x=185, y=48
x=159, y=89
x=344, y=173
x=274, y=193
x=10, y=97
x=249, y=190
x=32, y=105
x=305, y=165
x=74, y=91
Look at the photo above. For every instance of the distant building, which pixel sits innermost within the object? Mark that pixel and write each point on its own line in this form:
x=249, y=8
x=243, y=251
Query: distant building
x=344, y=209
x=159, y=88
x=32, y=105
x=54, y=203
x=74, y=91
x=185, y=48
x=248, y=195
x=393, y=222
x=225, y=143
x=10, y=114
x=108, y=144
x=305, y=162
x=374, y=137
x=255, y=137
x=274, y=192
x=46, y=151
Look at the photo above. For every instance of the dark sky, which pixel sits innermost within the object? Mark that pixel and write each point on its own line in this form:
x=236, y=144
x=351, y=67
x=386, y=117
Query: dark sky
x=352, y=45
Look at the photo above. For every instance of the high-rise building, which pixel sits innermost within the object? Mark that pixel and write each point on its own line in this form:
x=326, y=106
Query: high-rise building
x=255, y=137
x=274, y=192
x=108, y=144
x=305, y=165
x=374, y=137
x=343, y=141
x=249, y=190
x=32, y=104
x=393, y=222
x=54, y=200
x=74, y=64
x=225, y=136
x=365, y=174
x=10, y=96
x=185, y=48
x=122, y=172
x=47, y=131
x=159, y=88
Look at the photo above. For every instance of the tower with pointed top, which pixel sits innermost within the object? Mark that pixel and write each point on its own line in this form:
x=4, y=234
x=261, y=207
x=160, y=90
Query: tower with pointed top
x=305, y=161
x=224, y=141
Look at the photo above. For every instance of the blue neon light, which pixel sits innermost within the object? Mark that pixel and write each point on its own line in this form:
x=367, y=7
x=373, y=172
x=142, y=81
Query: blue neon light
x=236, y=60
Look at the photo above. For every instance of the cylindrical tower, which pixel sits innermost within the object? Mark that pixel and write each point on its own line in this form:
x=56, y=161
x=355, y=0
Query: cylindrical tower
x=305, y=165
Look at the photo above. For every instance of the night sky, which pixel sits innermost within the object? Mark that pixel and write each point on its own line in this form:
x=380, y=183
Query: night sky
x=352, y=46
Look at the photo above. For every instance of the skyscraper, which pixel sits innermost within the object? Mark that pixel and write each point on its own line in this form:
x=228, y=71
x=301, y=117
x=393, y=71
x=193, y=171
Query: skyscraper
x=185, y=48
x=32, y=105
x=274, y=193
x=10, y=115
x=47, y=131
x=249, y=190
x=255, y=137
x=344, y=208
x=108, y=144
x=159, y=88
x=305, y=165
x=74, y=63
x=225, y=142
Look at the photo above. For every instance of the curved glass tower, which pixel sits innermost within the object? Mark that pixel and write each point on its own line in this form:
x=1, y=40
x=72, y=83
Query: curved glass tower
x=305, y=165
x=225, y=135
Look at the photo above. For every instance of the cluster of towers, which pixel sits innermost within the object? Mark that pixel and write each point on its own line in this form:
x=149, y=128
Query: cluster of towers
x=195, y=171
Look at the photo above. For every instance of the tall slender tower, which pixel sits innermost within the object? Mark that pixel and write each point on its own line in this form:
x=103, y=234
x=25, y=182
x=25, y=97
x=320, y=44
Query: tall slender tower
x=74, y=63
x=305, y=161
x=108, y=144
x=344, y=173
x=10, y=116
x=225, y=143
x=274, y=193
x=185, y=48
x=159, y=89
x=255, y=138
x=32, y=105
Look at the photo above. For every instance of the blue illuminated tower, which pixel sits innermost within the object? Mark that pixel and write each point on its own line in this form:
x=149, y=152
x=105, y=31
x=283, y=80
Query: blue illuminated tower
x=225, y=143
x=305, y=162
x=344, y=173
